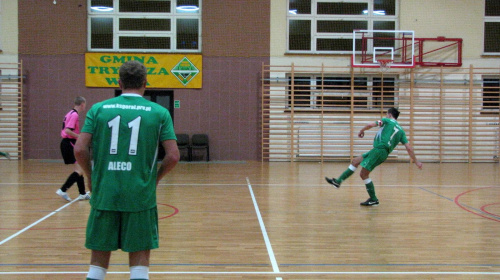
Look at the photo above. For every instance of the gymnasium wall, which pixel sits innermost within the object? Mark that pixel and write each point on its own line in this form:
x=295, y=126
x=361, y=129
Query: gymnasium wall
x=52, y=44
x=428, y=18
x=452, y=19
x=314, y=130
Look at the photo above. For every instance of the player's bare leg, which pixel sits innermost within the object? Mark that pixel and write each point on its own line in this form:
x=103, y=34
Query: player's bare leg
x=99, y=263
x=139, y=264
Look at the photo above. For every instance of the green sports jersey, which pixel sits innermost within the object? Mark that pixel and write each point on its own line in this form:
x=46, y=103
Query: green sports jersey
x=125, y=132
x=389, y=135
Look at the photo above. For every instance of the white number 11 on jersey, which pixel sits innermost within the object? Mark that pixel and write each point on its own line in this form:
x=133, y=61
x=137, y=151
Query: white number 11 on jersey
x=134, y=125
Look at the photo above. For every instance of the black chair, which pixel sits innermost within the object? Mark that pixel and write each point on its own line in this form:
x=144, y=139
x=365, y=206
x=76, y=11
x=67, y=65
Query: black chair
x=200, y=142
x=183, y=144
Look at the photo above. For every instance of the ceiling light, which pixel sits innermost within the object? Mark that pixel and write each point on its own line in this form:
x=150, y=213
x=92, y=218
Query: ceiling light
x=188, y=8
x=101, y=8
x=376, y=12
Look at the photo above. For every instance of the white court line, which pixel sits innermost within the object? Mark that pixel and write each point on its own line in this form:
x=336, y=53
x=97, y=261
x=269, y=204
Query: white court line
x=264, y=232
x=37, y=222
x=267, y=273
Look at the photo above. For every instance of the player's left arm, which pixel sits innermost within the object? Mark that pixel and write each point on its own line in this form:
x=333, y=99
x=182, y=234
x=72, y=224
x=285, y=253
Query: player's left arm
x=361, y=133
x=82, y=155
x=70, y=131
x=411, y=153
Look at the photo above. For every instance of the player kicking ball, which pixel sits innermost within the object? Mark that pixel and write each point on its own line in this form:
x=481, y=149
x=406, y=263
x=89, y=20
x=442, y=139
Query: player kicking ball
x=388, y=137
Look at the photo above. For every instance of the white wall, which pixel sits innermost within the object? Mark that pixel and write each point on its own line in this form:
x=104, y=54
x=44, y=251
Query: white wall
x=451, y=19
x=9, y=31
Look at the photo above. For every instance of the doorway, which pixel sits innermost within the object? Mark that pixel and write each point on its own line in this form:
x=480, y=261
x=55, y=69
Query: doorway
x=163, y=97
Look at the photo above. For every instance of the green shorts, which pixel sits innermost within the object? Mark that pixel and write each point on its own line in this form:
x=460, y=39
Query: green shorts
x=129, y=231
x=374, y=158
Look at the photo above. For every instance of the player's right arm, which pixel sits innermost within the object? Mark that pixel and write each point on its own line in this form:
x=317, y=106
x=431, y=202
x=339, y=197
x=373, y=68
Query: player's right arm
x=82, y=155
x=411, y=153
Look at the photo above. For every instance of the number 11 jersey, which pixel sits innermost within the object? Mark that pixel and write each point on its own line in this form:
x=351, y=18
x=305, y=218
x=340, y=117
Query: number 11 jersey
x=125, y=132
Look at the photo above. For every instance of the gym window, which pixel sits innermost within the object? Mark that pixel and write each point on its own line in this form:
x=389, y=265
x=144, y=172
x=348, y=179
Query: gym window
x=492, y=27
x=144, y=25
x=326, y=26
x=491, y=94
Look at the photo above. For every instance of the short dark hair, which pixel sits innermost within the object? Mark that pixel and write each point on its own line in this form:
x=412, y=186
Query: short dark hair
x=79, y=100
x=132, y=74
x=394, y=112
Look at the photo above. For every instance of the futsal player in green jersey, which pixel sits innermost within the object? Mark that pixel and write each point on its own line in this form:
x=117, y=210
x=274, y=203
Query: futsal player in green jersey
x=124, y=133
x=388, y=137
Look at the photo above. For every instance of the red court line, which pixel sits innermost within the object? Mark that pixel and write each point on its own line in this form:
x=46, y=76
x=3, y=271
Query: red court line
x=176, y=210
x=470, y=211
x=487, y=212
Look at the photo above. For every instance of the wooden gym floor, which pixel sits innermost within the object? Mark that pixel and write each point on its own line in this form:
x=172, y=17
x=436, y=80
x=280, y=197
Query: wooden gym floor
x=252, y=220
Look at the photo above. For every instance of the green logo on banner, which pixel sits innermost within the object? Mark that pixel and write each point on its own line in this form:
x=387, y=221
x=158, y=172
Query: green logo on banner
x=185, y=71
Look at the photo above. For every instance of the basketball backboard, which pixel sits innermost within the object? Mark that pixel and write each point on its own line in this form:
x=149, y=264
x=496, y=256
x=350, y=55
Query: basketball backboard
x=370, y=47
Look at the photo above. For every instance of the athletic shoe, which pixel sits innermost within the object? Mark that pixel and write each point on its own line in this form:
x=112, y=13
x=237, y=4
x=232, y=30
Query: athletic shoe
x=333, y=181
x=83, y=197
x=63, y=195
x=369, y=202
x=5, y=154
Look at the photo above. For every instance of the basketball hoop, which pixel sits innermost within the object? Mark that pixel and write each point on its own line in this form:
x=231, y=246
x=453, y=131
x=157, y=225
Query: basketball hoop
x=385, y=64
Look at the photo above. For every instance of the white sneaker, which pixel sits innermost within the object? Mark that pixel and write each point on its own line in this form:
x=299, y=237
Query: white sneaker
x=63, y=195
x=84, y=196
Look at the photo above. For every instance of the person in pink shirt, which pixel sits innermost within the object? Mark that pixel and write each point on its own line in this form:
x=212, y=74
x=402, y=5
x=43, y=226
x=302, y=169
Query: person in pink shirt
x=69, y=133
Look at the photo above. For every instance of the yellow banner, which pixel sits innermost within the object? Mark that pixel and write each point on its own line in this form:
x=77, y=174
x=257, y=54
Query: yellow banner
x=164, y=70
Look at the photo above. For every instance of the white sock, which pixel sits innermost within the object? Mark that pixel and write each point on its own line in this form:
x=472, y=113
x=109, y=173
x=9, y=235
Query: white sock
x=96, y=272
x=352, y=167
x=368, y=181
x=139, y=272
